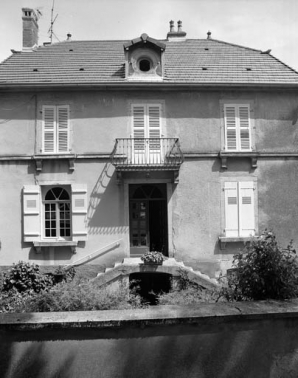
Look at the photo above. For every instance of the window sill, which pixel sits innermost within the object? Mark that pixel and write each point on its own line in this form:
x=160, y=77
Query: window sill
x=224, y=155
x=239, y=239
x=68, y=156
x=44, y=244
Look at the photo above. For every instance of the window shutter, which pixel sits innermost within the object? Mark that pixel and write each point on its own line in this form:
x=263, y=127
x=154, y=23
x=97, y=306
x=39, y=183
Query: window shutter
x=31, y=212
x=244, y=126
x=49, y=135
x=230, y=127
x=246, y=209
x=79, y=212
x=154, y=131
x=138, y=120
x=63, y=128
x=231, y=209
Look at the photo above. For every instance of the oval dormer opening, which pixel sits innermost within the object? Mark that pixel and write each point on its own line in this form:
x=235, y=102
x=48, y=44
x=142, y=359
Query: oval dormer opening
x=144, y=65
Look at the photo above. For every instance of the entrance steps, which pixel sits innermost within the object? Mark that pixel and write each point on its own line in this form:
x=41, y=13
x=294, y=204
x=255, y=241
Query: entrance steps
x=169, y=266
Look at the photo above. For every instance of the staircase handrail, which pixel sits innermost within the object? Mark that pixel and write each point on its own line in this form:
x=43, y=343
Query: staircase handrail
x=92, y=255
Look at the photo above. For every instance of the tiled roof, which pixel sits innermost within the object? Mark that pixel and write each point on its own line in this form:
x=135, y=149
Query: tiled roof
x=192, y=61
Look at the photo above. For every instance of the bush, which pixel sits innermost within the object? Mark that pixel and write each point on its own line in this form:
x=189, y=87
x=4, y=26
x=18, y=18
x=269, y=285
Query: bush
x=79, y=296
x=25, y=277
x=187, y=292
x=264, y=271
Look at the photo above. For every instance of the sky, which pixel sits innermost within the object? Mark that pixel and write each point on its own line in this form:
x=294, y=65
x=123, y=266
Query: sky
x=259, y=24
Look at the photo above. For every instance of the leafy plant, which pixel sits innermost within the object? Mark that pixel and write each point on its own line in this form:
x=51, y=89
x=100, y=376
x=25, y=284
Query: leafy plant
x=264, y=271
x=153, y=257
x=24, y=277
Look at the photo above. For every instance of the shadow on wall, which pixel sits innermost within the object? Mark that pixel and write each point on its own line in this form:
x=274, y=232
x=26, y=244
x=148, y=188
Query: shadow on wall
x=238, y=348
x=105, y=214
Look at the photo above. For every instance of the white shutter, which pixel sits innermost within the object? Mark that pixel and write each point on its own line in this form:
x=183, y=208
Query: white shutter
x=244, y=127
x=63, y=128
x=49, y=134
x=230, y=127
x=246, y=209
x=138, y=124
x=31, y=213
x=79, y=212
x=154, y=131
x=231, y=209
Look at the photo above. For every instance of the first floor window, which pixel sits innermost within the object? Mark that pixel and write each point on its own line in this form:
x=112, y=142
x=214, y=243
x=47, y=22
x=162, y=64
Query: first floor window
x=237, y=127
x=57, y=213
x=239, y=209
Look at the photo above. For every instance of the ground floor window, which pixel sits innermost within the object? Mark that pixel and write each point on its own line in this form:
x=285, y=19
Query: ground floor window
x=57, y=213
x=54, y=213
x=239, y=208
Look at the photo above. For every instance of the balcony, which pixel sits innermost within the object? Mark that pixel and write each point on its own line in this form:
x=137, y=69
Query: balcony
x=147, y=154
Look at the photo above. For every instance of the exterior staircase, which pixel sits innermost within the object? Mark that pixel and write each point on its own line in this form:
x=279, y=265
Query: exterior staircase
x=122, y=270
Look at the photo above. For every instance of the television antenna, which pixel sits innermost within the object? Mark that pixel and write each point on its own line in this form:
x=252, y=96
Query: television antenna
x=53, y=19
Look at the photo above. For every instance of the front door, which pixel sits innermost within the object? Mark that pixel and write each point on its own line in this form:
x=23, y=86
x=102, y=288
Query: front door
x=148, y=219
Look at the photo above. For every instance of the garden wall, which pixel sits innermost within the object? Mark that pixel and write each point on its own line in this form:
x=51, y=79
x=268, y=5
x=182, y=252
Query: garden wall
x=254, y=340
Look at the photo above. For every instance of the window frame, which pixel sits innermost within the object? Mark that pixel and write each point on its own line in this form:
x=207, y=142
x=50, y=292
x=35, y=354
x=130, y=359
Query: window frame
x=237, y=103
x=56, y=131
x=34, y=214
x=58, y=236
x=239, y=180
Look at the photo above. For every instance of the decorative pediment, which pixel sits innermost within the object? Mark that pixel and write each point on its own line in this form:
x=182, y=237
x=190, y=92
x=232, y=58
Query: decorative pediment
x=144, y=59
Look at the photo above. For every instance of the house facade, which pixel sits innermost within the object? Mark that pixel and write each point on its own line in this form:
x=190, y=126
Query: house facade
x=113, y=148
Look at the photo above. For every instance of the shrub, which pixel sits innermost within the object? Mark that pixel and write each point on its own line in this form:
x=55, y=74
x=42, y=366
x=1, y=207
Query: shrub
x=62, y=274
x=187, y=292
x=24, y=277
x=264, y=271
x=80, y=296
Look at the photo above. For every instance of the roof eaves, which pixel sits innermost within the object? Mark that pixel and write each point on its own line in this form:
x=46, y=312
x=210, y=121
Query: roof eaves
x=149, y=85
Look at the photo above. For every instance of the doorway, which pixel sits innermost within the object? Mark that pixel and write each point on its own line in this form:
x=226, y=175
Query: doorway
x=148, y=219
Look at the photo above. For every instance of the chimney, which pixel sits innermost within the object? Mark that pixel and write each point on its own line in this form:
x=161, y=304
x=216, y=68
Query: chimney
x=30, y=29
x=178, y=35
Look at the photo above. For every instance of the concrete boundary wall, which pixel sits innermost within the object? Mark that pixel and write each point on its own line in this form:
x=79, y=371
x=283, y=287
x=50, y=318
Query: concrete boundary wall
x=249, y=339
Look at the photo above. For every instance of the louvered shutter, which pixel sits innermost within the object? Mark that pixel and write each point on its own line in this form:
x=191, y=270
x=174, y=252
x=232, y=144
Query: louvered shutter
x=31, y=213
x=230, y=127
x=246, y=209
x=79, y=212
x=244, y=127
x=63, y=128
x=138, y=120
x=154, y=132
x=231, y=209
x=49, y=125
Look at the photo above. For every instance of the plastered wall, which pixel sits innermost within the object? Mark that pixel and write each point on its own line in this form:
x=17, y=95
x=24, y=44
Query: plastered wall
x=196, y=218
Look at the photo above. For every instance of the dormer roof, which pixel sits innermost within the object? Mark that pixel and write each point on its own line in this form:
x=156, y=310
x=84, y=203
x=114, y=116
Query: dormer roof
x=144, y=38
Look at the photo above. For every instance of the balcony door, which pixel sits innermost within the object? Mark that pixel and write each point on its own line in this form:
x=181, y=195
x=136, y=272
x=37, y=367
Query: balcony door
x=146, y=127
x=148, y=219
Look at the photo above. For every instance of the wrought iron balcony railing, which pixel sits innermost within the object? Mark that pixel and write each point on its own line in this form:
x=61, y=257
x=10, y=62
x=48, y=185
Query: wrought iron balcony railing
x=163, y=153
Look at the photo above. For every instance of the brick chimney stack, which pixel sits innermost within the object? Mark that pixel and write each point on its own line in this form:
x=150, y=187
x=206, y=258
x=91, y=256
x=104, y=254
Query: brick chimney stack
x=30, y=28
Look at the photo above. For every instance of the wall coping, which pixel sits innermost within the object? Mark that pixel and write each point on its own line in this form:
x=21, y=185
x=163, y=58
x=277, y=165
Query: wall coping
x=160, y=315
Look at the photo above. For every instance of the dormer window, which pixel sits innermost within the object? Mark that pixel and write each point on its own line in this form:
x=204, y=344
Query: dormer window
x=144, y=59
